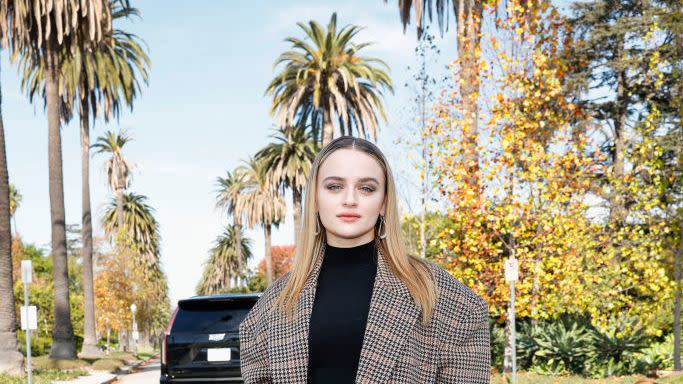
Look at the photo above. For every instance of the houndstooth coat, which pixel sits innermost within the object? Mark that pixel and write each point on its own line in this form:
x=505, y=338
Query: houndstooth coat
x=397, y=348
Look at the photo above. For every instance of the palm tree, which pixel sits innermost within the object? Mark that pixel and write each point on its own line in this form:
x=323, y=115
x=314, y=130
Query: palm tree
x=11, y=361
x=229, y=192
x=329, y=82
x=139, y=225
x=262, y=205
x=117, y=167
x=289, y=161
x=223, y=264
x=43, y=29
x=141, y=233
x=93, y=79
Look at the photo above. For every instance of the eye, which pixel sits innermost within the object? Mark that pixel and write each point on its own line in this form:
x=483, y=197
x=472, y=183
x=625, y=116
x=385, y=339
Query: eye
x=333, y=187
x=367, y=189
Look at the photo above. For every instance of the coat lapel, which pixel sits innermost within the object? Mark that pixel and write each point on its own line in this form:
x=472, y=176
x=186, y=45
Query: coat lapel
x=289, y=347
x=392, y=316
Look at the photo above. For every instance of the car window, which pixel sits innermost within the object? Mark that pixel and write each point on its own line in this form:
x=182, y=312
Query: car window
x=211, y=316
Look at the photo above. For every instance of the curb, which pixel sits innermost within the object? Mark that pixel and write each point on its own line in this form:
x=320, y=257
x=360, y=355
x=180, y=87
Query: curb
x=113, y=379
x=128, y=369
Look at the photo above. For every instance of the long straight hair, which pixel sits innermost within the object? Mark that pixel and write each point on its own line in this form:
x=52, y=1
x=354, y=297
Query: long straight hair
x=412, y=271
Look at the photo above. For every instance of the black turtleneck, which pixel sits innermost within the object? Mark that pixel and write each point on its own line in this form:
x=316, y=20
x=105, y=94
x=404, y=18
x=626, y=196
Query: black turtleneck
x=340, y=313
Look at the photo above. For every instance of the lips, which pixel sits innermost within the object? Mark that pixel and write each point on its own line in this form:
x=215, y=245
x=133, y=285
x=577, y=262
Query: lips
x=348, y=217
x=354, y=215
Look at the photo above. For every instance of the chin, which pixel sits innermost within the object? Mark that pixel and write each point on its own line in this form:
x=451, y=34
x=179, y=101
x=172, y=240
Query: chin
x=349, y=235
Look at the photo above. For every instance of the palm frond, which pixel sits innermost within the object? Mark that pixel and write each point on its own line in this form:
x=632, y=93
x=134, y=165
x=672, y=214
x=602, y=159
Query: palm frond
x=325, y=75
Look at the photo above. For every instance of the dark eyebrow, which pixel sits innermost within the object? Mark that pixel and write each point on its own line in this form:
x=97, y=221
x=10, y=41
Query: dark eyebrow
x=362, y=180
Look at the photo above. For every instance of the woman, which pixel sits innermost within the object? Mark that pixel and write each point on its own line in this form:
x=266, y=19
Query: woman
x=355, y=307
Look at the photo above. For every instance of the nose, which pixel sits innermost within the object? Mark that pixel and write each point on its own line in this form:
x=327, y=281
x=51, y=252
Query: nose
x=350, y=198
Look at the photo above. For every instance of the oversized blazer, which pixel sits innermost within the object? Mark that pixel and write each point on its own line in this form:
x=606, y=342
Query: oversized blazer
x=453, y=347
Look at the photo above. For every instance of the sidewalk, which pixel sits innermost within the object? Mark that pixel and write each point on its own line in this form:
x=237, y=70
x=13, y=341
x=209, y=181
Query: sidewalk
x=95, y=377
x=102, y=377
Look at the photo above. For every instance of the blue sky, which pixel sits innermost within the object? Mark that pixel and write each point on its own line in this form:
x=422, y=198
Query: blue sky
x=203, y=112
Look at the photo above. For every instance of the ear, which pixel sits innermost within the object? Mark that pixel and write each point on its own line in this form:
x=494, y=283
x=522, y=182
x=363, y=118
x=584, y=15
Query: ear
x=383, y=210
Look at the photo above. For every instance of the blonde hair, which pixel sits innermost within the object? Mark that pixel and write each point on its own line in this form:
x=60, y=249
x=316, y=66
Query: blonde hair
x=412, y=271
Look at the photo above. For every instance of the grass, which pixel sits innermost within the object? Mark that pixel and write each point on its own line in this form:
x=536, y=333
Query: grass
x=44, y=376
x=531, y=378
x=123, y=356
x=116, y=360
x=46, y=370
x=677, y=379
x=44, y=362
x=108, y=364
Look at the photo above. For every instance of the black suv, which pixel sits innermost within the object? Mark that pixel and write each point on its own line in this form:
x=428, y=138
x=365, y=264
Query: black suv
x=201, y=343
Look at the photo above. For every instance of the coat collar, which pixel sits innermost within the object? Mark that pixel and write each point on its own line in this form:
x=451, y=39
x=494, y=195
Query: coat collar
x=391, y=317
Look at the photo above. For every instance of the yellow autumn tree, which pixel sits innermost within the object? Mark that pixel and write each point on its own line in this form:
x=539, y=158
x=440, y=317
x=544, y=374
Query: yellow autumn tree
x=538, y=181
x=534, y=173
x=113, y=293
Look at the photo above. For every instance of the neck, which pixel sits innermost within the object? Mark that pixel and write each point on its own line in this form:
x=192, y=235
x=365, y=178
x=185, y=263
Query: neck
x=341, y=242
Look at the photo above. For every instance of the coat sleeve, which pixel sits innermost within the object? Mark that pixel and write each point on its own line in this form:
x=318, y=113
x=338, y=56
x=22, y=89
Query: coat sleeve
x=254, y=362
x=466, y=359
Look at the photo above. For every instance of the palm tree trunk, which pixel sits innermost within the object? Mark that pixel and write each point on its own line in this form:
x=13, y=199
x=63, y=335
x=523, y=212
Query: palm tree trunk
x=89, y=334
x=227, y=281
x=328, y=128
x=123, y=341
x=468, y=37
x=63, y=344
x=269, y=257
x=123, y=335
x=144, y=340
x=238, y=247
x=11, y=361
x=119, y=208
x=296, y=202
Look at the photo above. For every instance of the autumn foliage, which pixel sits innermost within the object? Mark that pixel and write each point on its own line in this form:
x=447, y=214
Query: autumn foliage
x=282, y=260
x=530, y=189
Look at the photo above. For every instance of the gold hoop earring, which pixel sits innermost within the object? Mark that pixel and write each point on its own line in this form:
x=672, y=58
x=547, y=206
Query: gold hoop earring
x=382, y=228
x=317, y=224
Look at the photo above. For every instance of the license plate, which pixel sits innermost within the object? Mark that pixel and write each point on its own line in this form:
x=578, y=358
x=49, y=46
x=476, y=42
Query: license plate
x=218, y=354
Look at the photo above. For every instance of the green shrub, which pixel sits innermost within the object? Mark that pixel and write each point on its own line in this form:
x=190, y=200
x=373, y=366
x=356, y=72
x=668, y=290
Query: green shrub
x=613, y=350
x=527, y=347
x=563, y=347
x=571, y=345
x=497, y=345
x=40, y=345
x=657, y=356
